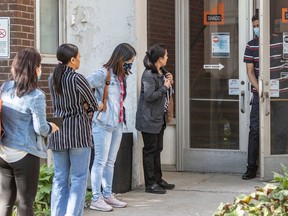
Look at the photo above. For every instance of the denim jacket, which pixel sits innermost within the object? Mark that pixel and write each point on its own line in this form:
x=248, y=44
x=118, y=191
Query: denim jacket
x=24, y=120
x=110, y=118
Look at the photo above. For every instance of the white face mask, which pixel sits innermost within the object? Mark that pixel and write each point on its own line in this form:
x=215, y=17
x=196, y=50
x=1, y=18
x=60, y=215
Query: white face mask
x=256, y=31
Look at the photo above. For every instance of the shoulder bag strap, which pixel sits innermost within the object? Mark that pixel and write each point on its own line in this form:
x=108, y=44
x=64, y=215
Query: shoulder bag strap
x=105, y=93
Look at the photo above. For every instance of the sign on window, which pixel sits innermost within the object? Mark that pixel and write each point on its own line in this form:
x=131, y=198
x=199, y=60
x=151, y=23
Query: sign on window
x=4, y=37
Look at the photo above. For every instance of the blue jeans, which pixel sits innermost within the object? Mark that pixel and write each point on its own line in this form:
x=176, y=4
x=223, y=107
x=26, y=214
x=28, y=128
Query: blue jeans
x=68, y=194
x=106, y=146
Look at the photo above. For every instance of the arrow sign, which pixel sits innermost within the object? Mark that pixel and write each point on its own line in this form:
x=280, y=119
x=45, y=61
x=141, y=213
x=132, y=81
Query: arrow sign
x=213, y=66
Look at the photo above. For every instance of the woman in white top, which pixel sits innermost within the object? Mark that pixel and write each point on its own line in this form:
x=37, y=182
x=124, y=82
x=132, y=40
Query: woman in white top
x=24, y=122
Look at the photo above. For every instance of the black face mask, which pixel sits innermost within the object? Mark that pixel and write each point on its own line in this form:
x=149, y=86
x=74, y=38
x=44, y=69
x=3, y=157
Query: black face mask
x=127, y=68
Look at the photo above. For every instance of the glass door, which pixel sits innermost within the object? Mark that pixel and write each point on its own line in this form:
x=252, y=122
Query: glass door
x=274, y=86
x=218, y=91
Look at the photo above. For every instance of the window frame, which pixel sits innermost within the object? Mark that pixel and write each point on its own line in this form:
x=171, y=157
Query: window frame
x=50, y=58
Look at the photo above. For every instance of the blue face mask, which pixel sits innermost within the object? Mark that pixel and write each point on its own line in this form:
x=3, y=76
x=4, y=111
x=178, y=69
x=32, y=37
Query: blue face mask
x=256, y=31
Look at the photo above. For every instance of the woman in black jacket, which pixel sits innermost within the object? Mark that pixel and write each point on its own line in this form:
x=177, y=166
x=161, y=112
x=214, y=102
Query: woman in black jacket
x=151, y=115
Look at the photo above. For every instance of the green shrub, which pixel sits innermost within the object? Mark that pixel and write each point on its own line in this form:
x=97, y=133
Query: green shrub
x=42, y=199
x=271, y=200
x=88, y=198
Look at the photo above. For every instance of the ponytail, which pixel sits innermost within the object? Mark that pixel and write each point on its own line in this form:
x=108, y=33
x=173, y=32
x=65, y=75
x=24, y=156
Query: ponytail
x=64, y=54
x=152, y=55
x=56, y=78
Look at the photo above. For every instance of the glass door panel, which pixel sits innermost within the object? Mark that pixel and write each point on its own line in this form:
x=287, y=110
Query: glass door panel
x=214, y=75
x=274, y=82
x=279, y=76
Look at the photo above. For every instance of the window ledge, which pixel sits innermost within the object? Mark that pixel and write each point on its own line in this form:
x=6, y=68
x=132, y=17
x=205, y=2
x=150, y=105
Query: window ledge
x=49, y=59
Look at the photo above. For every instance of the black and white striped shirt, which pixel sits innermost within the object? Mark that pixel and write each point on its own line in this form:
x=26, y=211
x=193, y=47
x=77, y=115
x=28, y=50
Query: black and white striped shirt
x=75, y=131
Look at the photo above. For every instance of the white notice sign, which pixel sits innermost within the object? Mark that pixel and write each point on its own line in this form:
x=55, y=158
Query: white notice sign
x=274, y=88
x=220, y=45
x=4, y=37
x=233, y=87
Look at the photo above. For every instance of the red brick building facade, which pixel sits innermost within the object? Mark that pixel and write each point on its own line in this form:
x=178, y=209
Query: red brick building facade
x=160, y=24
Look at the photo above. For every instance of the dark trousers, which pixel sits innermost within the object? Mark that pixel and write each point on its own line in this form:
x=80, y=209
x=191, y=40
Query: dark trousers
x=153, y=146
x=19, y=180
x=253, y=140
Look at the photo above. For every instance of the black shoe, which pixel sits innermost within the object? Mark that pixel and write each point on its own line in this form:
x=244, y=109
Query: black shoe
x=166, y=186
x=250, y=174
x=155, y=188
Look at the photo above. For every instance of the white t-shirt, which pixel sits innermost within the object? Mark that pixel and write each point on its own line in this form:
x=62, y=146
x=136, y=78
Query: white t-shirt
x=11, y=155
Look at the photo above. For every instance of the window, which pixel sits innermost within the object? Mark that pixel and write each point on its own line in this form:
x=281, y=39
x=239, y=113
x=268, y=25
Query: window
x=49, y=28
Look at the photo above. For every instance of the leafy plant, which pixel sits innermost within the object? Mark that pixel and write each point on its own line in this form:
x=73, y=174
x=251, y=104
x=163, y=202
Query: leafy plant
x=270, y=200
x=14, y=211
x=42, y=199
x=88, y=198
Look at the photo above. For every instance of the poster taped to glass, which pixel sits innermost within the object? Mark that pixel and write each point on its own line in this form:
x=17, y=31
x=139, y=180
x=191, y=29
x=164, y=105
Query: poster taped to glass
x=220, y=45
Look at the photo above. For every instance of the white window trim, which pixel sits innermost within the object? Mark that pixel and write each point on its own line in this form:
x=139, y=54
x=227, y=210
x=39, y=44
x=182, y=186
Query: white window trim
x=48, y=58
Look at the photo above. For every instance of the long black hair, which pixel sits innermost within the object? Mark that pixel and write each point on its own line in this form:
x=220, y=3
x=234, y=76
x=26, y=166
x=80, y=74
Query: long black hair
x=155, y=52
x=23, y=70
x=122, y=53
x=64, y=54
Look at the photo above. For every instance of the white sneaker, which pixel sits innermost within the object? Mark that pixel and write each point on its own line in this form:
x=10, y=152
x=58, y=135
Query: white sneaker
x=100, y=205
x=112, y=201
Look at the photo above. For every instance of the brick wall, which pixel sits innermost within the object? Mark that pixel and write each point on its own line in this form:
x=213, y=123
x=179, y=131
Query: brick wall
x=43, y=84
x=161, y=27
x=21, y=13
x=196, y=37
x=22, y=35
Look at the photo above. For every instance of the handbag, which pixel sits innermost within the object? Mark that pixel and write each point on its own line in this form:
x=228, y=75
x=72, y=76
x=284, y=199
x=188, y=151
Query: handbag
x=170, y=111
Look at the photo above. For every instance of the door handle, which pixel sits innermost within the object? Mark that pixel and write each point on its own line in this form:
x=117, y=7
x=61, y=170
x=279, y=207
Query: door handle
x=242, y=102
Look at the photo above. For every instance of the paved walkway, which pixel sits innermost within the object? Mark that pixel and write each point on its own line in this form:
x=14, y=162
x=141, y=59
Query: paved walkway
x=195, y=194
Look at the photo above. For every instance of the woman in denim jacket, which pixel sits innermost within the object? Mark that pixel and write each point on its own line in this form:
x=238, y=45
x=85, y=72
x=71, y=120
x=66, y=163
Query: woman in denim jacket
x=23, y=120
x=107, y=126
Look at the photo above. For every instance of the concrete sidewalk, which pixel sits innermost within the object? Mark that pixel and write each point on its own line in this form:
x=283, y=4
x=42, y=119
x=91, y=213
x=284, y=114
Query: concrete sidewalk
x=195, y=194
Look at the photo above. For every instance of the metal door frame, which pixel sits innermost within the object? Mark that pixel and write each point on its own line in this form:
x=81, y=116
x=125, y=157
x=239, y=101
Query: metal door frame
x=268, y=163
x=225, y=160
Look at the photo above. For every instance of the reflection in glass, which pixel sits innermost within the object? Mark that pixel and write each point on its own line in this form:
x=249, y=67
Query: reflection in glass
x=49, y=26
x=279, y=77
x=214, y=112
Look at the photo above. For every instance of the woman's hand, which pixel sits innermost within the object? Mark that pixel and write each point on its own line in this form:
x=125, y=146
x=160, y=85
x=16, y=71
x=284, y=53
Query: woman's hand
x=169, y=76
x=54, y=127
x=167, y=83
x=100, y=106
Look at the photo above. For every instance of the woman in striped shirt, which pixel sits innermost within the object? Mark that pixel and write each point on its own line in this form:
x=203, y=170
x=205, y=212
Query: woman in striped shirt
x=71, y=145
